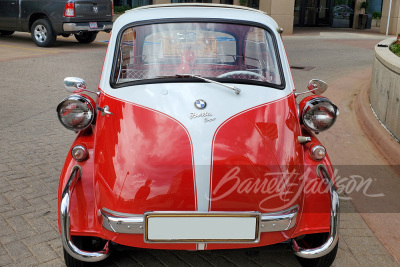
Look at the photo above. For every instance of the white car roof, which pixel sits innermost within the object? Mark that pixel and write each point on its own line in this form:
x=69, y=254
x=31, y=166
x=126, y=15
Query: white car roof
x=194, y=11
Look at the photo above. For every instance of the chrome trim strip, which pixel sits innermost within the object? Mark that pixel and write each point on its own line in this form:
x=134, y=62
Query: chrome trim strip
x=73, y=27
x=279, y=221
x=334, y=230
x=68, y=245
x=125, y=223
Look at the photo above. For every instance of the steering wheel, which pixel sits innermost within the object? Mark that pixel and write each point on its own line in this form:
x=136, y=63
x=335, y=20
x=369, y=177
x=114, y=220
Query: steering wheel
x=242, y=72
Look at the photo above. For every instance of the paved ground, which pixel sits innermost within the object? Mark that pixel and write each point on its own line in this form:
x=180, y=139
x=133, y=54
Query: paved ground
x=33, y=145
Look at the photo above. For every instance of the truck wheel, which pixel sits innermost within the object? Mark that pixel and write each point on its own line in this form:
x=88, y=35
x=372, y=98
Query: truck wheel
x=42, y=33
x=5, y=33
x=86, y=37
x=315, y=240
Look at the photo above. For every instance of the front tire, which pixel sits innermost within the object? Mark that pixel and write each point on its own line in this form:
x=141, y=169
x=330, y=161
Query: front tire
x=86, y=37
x=316, y=240
x=42, y=33
x=6, y=33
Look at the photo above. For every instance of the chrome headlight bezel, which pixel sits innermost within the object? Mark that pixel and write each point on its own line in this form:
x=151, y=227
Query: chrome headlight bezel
x=326, y=115
x=84, y=105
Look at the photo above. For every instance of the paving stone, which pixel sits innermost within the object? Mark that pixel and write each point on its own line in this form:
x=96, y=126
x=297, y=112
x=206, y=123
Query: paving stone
x=39, y=203
x=54, y=263
x=29, y=261
x=16, y=212
x=41, y=225
x=43, y=252
x=5, y=260
x=190, y=258
x=17, y=250
x=18, y=223
x=167, y=258
x=378, y=260
x=215, y=259
x=44, y=237
x=16, y=236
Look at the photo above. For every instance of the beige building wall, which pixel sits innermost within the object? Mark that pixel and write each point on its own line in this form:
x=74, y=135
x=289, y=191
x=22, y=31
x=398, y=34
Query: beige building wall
x=282, y=11
x=394, y=23
x=157, y=2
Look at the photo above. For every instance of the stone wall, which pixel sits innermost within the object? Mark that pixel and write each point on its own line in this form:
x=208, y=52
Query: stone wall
x=385, y=88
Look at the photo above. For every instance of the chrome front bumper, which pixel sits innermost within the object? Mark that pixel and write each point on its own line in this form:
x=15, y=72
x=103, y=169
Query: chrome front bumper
x=333, y=237
x=134, y=223
x=84, y=27
x=68, y=245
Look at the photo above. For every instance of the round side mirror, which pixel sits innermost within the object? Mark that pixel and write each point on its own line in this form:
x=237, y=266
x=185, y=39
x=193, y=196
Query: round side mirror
x=317, y=87
x=74, y=84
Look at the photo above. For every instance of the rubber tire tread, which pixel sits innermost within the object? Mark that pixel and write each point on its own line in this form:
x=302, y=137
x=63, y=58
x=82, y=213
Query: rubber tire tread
x=86, y=37
x=324, y=261
x=51, y=36
x=72, y=262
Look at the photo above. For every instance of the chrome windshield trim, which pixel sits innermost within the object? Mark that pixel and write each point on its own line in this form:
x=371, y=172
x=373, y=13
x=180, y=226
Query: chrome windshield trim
x=333, y=237
x=67, y=242
x=125, y=223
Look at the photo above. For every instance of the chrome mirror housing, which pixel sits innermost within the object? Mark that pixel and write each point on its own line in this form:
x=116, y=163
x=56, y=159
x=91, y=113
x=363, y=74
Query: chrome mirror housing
x=73, y=84
x=317, y=87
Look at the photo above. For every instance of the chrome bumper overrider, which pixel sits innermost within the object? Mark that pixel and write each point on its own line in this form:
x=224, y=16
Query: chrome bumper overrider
x=334, y=229
x=134, y=223
x=68, y=245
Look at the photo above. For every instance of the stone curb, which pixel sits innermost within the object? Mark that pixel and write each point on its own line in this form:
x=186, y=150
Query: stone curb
x=374, y=130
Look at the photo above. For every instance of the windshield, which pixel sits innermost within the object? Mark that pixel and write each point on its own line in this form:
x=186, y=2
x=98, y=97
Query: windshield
x=232, y=52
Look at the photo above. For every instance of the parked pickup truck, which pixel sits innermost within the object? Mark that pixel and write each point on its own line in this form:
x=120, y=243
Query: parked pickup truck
x=45, y=19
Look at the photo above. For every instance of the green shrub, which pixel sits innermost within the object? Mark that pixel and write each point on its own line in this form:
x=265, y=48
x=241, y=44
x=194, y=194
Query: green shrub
x=376, y=15
x=395, y=47
x=121, y=9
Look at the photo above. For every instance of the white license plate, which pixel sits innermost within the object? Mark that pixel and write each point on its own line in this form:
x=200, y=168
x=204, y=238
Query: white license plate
x=202, y=227
x=93, y=25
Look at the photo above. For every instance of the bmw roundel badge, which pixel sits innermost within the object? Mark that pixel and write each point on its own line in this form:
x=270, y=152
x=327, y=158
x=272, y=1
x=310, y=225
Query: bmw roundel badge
x=200, y=104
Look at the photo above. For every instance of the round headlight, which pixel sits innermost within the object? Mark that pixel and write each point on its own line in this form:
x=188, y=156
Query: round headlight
x=318, y=113
x=76, y=112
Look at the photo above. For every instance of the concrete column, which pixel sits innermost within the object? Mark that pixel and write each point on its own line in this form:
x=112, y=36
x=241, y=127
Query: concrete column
x=282, y=11
x=394, y=24
x=156, y=2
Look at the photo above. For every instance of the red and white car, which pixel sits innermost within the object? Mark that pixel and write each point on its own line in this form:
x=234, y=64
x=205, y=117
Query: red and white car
x=194, y=141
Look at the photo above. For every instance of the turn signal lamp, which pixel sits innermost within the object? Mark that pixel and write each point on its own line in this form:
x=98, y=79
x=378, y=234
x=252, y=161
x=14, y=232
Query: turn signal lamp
x=317, y=152
x=79, y=153
x=76, y=112
x=69, y=10
x=318, y=113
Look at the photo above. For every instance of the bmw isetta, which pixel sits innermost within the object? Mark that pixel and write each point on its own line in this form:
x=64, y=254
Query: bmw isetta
x=194, y=141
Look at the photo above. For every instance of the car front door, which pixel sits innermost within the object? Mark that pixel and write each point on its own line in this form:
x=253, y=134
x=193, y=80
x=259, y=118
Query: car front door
x=9, y=14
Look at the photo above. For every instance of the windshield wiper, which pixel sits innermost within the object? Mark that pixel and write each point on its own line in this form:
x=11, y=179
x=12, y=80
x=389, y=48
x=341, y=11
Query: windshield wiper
x=235, y=89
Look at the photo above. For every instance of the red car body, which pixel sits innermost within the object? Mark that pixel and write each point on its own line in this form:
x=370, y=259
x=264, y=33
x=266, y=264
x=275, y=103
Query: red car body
x=245, y=154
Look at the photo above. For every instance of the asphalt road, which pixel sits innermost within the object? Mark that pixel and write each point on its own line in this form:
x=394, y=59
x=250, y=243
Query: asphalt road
x=33, y=146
